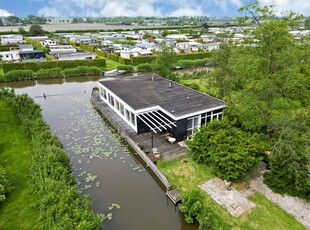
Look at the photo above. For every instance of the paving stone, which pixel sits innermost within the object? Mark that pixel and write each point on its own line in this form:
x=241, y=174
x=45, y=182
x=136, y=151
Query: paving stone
x=235, y=202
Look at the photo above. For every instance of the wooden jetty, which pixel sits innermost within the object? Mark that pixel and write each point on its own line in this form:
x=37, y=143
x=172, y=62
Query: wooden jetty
x=136, y=141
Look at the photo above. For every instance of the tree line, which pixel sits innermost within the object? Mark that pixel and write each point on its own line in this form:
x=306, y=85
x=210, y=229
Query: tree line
x=266, y=85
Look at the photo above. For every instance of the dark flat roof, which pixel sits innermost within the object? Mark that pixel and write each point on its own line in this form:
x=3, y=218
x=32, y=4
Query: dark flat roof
x=141, y=92
x=31, y=52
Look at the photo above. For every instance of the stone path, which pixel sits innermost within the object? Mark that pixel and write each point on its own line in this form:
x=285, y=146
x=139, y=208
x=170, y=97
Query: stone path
x=235, y=202
x=298, y=207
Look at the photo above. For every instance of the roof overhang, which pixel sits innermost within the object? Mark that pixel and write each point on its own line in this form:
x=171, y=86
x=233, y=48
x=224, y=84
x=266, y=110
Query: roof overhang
x=156, y=121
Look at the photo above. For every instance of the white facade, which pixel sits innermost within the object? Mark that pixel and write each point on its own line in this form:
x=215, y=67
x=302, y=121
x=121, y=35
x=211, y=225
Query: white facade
x=8, y=56
x=212, y=46
x=119, y=106
x=11, y=39
x=62, y=49
x=48, y=42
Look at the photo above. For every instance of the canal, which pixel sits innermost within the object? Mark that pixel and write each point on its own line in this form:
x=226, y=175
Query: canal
x=104, y=166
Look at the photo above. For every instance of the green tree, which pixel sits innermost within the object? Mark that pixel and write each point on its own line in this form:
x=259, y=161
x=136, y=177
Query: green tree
x=307, y=23
x=1, y=22
x=268, y=72
x=290, y=157
x=164, y=61
x=165, y=33
x=21, y=30
x=36, y=30
x=12, y=20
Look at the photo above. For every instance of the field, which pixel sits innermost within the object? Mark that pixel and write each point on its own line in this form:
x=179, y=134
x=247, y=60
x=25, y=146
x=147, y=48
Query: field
x=78, y=26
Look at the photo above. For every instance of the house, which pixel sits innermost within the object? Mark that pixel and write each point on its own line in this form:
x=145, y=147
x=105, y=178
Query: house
x=44, y=40
x=8, y=56
x=153, y=103
x=11, y=39
x=212, y=46
x=76, y=56
x=61, y=49
x=27, y=53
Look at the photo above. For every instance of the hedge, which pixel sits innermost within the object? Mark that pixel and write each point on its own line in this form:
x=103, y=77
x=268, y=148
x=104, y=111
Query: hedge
x=124, y=61
x=112, y=56
x=128, y=68
x=35, y=66
x=145, y=67
x=101, y=53
x=90, y=49
x=149, y=59
x=82, y=71
x=48, y=73
x=5, y=48
x=142, y=59
x=19, y=75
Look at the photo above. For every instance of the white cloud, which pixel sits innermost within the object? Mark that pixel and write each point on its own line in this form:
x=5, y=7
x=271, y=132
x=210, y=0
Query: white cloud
x=297, y=6
x=5, y=13
x=187, y=11
x=116, y=8
x=225, y=4
x=49, y=12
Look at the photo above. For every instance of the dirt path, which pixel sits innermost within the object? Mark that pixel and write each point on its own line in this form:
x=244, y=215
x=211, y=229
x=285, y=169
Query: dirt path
x=298, y=207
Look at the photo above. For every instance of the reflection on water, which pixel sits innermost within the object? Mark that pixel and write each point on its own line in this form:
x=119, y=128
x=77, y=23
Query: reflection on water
x=102, y=163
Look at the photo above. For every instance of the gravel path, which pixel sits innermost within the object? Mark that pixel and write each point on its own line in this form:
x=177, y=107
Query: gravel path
x=298, y=207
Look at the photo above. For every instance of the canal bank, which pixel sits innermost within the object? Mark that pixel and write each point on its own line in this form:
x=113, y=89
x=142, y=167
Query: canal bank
x=137, y=141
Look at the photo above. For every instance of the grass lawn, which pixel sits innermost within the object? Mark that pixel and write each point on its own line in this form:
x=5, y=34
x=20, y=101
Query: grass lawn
x=111, y=64
x=267, y=215
x=202, y=82
x=15, y=157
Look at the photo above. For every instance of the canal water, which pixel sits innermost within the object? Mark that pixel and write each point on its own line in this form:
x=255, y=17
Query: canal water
x=105, y=167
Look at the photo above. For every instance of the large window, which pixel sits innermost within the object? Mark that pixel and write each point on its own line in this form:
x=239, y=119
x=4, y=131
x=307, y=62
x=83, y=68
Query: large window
x=133, y=118
x=127, y=115
x=103, y=93
x=209, y=116
x=192, y=124
x=122, y=109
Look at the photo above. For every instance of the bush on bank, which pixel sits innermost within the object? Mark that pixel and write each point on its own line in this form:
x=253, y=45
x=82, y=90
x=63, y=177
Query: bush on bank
x=58, y=199
x=16, y=75
x=64, y=64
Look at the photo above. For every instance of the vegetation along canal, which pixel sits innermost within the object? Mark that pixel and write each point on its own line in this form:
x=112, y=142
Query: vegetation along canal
x=105, y=167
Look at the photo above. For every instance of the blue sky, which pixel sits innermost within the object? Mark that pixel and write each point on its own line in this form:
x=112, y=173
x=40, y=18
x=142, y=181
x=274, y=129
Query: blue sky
x=110, y=8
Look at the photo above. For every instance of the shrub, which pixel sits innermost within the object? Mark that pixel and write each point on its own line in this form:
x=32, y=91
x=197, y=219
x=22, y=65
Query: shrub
x=231, y=152
x=145, y=67
x=18, y=75
x=82, y=70
x=128, y=68
x=48, y=73
x=191, y=205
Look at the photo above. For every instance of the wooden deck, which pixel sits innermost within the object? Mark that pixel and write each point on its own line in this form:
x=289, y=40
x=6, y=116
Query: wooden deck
x=142, y=144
